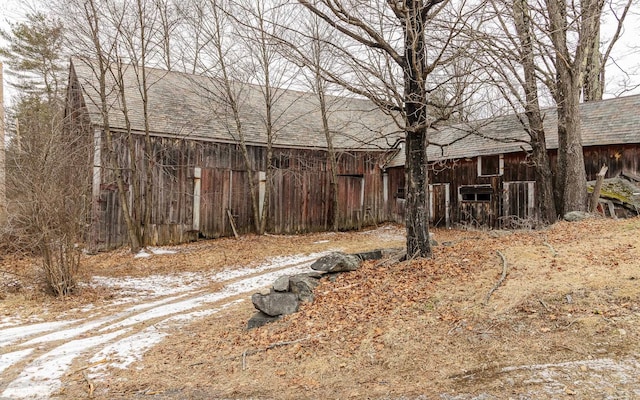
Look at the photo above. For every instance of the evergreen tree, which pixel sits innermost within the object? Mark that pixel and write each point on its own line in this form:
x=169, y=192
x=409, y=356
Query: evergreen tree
x=34, y=55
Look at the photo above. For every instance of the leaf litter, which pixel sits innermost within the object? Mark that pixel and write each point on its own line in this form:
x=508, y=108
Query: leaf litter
x=564, y=322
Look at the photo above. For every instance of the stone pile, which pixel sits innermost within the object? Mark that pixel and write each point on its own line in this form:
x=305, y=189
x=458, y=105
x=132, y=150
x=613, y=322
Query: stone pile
x=287, y=292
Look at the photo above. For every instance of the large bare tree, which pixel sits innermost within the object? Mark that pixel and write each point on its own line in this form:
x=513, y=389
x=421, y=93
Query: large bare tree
x=529, y=54
x=390, y=52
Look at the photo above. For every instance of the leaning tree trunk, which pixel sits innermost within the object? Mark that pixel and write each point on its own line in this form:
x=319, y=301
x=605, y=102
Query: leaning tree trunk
x=415, y=103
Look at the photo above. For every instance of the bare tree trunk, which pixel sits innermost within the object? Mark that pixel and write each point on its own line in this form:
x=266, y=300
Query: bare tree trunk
x=593, y=86
x=545, y=201
x=92, y=18
x=230, y=99
x=134, y=183
x=417, y=214
x=147, y=205
x=332, y=161
x=571, y=179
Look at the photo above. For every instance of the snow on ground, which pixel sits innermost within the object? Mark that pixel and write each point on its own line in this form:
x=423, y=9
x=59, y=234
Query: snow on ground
x=10, y=335
x=8, y=359
x=130, y=288
x=41, y=377
x=116, y=337
x=154, y=250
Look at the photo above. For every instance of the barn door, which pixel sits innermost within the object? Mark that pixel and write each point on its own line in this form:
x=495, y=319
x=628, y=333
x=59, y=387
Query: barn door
x=439, y=204
x=518, y=202
x=350, y=200
x=214, y=201
x=476, y=205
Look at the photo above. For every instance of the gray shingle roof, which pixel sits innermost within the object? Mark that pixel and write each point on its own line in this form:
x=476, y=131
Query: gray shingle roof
x=612, y=121
x=186, y=105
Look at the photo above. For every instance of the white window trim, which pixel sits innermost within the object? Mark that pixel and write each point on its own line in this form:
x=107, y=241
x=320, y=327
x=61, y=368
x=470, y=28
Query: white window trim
x=500, y=165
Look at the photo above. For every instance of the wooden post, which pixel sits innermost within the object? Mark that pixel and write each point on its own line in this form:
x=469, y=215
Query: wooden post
x=233, y=224
x=595, y=196
x=197, y=188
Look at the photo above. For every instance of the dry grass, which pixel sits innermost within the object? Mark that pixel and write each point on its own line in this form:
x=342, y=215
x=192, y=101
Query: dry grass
x=571, y=295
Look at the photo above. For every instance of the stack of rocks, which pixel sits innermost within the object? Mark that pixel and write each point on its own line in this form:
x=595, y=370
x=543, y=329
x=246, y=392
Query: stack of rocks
x=287, y=292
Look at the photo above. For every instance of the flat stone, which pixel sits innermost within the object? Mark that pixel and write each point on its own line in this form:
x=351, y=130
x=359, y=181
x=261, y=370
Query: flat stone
x=281, y=284
x=369, y=255
x=313, y=274
x=276, y=303
x=575, y=216
x=259, y=319
x=336, y=262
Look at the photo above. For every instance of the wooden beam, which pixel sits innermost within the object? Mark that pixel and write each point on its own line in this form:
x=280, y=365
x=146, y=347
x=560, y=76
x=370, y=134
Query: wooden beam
x=595, y=196
x=233, y=223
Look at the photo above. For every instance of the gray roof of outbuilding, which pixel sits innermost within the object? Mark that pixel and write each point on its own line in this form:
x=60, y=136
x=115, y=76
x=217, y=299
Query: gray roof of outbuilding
x=184, y=105
x=611, y=121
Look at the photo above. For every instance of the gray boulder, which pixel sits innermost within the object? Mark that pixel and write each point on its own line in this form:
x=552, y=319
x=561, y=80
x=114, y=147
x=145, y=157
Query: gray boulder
x=281, y=284
x=303, y=285
x=369, y=255
x=259, y=319
x=575, y=216
x=276, y=303
x=313, y=274
x=337, y=262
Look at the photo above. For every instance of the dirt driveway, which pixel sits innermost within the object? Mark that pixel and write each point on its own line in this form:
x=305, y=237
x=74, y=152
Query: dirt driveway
x=138, y=311
x=563, y=323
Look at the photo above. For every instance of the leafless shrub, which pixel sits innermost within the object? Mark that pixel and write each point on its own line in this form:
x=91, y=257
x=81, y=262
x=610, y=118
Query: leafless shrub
x=47, y=187
x=515, y=222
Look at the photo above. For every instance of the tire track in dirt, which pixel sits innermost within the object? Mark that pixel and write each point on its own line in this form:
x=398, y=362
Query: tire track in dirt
x=35, y=357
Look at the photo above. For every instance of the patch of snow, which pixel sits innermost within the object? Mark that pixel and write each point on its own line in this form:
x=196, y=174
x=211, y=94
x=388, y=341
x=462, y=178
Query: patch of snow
x=68, y=333
x=271, y=263
x=165, y=285
x=601, y=364
x=321, y=241
x=41, y=378
x=386, y=233
x=126, y=351
x=10, y=321
x=153, y=285
x=154, y=250
x=142, y=254
x=87, y=308
x=7, y=360
x=158, y=250
x=10, y=335
x=232, y=289
x=183, y=302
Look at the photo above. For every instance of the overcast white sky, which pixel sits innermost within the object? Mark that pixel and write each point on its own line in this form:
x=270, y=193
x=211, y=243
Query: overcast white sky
x=624, y=74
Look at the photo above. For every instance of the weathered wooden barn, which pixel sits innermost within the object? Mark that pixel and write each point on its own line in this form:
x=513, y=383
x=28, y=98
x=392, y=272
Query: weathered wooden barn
x=480, y=173
x=200, y=177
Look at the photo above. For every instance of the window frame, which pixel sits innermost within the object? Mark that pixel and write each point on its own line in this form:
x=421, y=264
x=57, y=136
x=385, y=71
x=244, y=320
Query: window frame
x=484, y=191
x=500, y=171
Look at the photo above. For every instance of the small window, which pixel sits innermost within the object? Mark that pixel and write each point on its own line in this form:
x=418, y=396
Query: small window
x=490, y=165
x=475, y=193
x=280, y=162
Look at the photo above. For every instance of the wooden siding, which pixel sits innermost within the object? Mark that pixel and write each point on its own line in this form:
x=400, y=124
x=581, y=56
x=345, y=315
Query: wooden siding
x=299, y=199
x=511, y=193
